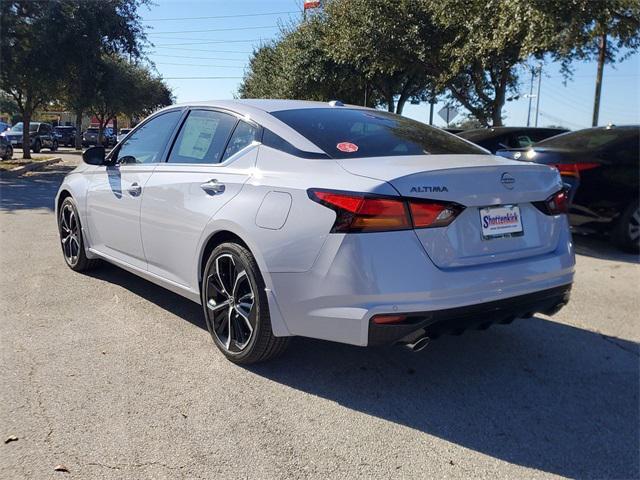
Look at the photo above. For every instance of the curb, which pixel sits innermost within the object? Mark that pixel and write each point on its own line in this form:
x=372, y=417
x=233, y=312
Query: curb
x=14, y=172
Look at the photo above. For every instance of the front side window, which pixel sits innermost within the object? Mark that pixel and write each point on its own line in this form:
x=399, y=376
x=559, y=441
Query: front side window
x=148, y=142
x=203, y=137
x=355, y=133
x=243, y=136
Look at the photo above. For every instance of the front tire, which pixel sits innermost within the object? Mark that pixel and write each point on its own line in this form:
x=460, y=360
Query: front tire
x=8, y=153
x=236, y=308
x=71, y=238
x=37, y=146
x=54, y=146
x=626, y=233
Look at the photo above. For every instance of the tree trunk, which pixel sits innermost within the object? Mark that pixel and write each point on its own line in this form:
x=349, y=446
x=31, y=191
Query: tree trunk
x=390, y=103
x=78, y=139
x=26, y=125
x=496, y=116
x=601, y=58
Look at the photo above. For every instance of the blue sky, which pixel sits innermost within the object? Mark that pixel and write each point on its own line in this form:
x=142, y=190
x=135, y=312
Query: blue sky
x=188, y=47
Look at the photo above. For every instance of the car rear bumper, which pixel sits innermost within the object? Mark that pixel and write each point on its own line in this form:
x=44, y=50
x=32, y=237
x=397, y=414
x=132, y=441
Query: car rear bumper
x=356, y=277
x=481, y=316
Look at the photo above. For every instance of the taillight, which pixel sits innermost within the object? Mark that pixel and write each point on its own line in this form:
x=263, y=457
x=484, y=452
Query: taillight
x=556, y=204
x=359, y=212
x=574, y=169
x=429, y=214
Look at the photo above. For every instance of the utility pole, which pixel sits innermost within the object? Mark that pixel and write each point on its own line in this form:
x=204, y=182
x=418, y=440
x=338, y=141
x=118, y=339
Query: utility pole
x=432, y=104
x=533, y=74
x=538, y=94
x=601, y=59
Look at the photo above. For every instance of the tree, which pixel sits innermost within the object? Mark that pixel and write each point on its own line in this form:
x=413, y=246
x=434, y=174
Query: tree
x=125, y=88
x=392, y=43
x=599, y=30
x=46, y=45
x=297, y=66
x=101, y=28
x=29, y=73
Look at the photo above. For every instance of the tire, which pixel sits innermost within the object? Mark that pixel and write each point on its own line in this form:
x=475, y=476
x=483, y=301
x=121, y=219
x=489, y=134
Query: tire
x=37, y=146
x=71, y=239
x=8, y=153
x=626, y=233
x=54, y=146
x=244, y=312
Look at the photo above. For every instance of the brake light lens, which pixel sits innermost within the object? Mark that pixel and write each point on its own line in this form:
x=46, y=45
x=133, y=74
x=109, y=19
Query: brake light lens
x=556, y=204
x=358, y=212
x=574, y=169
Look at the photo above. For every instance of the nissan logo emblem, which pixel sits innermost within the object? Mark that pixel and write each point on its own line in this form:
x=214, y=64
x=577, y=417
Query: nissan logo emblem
x=507, y=180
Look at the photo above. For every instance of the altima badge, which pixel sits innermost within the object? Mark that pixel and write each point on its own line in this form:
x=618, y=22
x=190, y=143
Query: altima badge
x=507, y=180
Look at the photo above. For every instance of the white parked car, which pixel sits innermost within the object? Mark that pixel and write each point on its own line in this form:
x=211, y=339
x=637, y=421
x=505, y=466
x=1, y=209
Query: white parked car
x=343, y=223
x=123, y=133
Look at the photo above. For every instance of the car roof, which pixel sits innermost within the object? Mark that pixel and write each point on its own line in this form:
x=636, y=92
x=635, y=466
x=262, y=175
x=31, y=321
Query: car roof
x=259, y=110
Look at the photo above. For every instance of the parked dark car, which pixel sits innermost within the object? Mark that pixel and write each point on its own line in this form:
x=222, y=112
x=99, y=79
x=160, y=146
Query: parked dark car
x=40, y=136
x=602, y=166
x=6, y=150
x=90, y=137
x=66, y=135
x=497, y=138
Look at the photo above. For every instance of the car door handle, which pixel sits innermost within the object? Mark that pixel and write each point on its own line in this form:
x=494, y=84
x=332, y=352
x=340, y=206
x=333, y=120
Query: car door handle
x=135, y=190
x=213, y=187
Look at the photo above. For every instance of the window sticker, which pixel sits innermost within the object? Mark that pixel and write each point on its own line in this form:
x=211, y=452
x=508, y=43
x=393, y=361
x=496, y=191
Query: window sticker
x=197, y=138
x=347, y=147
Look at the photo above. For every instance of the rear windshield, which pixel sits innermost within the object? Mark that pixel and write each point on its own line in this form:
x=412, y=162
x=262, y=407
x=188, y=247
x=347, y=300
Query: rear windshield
x=590, y=138
x=92, y=130
x=355, y=133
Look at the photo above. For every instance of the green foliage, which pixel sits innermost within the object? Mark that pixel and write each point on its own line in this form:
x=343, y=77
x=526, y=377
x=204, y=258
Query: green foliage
x=49, y=49
x=125, y=88
x=298, y=67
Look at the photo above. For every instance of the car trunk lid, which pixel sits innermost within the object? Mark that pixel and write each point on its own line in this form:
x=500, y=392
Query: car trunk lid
x=476, y=182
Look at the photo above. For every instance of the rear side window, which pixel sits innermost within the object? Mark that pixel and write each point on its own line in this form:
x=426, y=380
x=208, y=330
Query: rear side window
x=355, y=133
x=243, y=135
x=203, y=137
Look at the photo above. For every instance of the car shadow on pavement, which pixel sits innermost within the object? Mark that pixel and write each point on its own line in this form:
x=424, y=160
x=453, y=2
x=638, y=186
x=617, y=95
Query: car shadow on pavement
x=32, y=191
x=598, y=246
x=172, y=302
x=536, y=393
x=539, y=394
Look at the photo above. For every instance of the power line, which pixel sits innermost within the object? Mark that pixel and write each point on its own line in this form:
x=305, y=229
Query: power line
x=213, y=30
x=217, y=16
x=205, y=58
x=195, y=49
x=201, y=58
x=196, y=65
x=202, y=78
x=209, y=42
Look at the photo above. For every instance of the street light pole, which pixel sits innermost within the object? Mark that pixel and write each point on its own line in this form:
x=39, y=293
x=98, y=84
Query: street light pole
x=538, y=94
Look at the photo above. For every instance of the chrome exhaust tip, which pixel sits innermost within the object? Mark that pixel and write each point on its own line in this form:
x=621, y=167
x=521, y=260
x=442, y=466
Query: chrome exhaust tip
x=418, y=344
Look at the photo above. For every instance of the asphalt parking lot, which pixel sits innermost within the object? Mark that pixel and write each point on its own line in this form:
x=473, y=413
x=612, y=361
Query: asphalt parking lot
x=114, y=377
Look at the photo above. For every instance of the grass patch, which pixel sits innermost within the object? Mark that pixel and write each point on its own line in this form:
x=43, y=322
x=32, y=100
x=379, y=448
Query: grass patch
x=18, y=162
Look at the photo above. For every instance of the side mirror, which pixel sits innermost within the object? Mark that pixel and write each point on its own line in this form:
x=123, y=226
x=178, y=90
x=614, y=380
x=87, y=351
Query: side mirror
x=94, y=156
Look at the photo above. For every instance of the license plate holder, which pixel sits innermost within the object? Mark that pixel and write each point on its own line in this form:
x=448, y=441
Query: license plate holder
x=500, y=221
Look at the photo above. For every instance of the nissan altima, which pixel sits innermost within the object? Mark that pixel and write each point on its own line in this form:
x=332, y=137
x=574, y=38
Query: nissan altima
x=289, y=218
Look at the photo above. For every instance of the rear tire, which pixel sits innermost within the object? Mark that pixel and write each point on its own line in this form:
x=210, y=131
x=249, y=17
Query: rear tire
x=71, y=238
x=54, y=146
x=37, y=146
x=236, y=308
x=626, y=233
